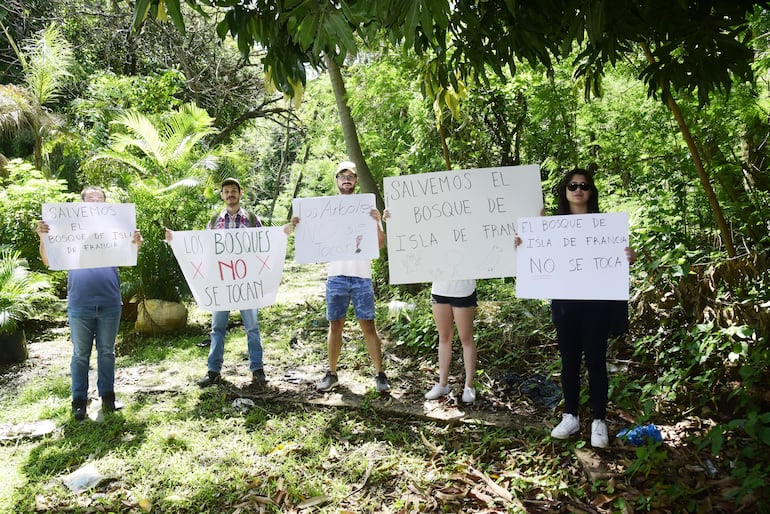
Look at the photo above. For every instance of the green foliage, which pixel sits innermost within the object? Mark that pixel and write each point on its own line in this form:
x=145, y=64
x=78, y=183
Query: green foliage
x=157, y=274
x=704, y=350
x=731, y=127
x=268, y=188
x=415, y=328
x=649, y=457
x=699, y=341
x=165, y=152
x=45, y=61
x=510, y=334
x=108, y=95
x=22, y=292
x=749, y=438
x=394, y=122
x=21, y=202
x=687, y=45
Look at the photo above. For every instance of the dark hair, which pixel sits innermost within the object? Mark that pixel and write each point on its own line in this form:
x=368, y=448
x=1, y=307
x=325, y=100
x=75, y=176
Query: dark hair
x=92, y=188
x=561, y=191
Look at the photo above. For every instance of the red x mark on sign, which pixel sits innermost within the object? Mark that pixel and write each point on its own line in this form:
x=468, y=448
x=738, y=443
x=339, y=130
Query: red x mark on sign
x=197, y=269
x=264, y=262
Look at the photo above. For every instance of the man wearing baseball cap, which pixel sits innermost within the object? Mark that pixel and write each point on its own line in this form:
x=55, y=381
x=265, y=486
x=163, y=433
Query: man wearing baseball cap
x=346, y=282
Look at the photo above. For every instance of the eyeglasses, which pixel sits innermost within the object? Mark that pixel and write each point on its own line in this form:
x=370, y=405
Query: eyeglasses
x=346, y=177
x=572, y=186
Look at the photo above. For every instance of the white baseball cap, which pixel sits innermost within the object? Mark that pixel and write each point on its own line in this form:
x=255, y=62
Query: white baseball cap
x=346, y=165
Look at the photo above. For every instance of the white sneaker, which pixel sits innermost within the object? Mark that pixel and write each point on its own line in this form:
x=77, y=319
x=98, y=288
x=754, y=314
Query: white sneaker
x=570, y=424
x=437, y=392
x=469, y=395
x=599, y=437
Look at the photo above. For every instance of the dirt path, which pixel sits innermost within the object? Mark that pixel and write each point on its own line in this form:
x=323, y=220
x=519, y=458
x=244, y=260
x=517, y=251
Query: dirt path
x=288, y=380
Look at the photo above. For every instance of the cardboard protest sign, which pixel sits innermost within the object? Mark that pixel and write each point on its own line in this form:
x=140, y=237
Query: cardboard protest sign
x=579, y=256
x=231, y=269
x=335, y=228
x=453, y=225
x=89, y=235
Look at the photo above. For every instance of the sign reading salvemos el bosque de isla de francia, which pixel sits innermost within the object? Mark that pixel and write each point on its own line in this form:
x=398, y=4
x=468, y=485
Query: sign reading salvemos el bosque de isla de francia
x=573, y=257
x=89, y=235
x=460, y=224
x=231, y=269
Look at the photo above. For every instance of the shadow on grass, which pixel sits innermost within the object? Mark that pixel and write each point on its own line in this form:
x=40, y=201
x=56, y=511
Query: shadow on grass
x=81, y=442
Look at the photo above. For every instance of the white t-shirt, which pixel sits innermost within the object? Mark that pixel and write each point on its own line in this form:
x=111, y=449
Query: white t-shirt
x=453, y=288
x=357, y=268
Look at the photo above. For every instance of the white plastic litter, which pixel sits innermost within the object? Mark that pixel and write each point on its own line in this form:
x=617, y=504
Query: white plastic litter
x=243, y=404
x=396, y=306
x=84, y=478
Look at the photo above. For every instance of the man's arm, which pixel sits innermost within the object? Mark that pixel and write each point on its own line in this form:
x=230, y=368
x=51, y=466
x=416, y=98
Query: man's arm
x=137, y=239
x=374, y=213
x=42, y=228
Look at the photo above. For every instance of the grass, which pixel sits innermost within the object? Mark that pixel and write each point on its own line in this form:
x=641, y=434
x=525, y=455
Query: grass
x=195, y=453
x=176, y=448
x=187, y=449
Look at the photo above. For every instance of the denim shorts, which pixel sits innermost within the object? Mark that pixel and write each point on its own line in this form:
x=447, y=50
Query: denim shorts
x=465, y=301
x=341, y=290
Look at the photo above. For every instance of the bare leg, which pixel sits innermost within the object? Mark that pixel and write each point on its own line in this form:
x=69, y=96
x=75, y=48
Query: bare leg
x=373, y=342
x=464, y=321
x=442, y=314
x=334, y=343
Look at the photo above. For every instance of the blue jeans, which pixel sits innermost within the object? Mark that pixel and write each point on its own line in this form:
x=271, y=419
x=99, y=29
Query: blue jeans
x=86, y=325
x=253, y=339
x=342, y=290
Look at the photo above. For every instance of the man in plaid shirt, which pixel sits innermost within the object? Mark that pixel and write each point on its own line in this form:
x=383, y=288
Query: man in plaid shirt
x=233, y=216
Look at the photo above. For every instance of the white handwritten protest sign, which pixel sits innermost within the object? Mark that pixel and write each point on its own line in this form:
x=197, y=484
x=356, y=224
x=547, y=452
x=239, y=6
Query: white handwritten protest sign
x=89, y=235
x=335, y=228
x=453, y=225
x=231, y=269
x=573, y=257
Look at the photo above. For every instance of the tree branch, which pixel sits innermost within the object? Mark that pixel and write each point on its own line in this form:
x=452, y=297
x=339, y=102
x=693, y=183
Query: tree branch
x=256, y=112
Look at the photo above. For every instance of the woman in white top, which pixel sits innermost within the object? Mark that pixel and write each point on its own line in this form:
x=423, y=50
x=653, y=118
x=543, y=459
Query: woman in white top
x=454, y=303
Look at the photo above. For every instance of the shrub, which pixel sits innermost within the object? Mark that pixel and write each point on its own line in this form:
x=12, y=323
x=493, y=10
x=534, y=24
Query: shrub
x=21, y=206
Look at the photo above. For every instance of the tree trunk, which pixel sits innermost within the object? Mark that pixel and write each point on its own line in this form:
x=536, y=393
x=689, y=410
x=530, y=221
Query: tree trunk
x=716, y=209
x=298, y=184
x=37, y=150
x=352, y=144
x=444, y=147
x=281, y=169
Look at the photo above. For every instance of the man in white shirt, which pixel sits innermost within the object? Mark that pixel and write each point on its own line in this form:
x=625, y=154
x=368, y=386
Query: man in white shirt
x=346, y=282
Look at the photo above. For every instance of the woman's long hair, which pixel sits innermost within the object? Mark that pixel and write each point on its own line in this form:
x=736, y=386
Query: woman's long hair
x=561, y=190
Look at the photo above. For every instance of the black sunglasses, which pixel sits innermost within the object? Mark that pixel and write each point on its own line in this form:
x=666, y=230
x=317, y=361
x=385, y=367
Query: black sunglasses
x=572, y=186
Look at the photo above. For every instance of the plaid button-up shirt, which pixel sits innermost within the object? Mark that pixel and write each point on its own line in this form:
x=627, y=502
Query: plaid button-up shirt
x=239, y=220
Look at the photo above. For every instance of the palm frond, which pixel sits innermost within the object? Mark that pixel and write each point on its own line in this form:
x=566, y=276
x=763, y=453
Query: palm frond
x=185, y=182
x=172, y=153
x=187, y=127
x=21, y=291
x=48, y=60
x=126, y=159
x=142, y=134
x=15, y=107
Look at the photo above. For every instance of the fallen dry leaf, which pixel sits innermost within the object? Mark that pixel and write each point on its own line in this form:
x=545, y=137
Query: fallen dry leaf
x=145, y=504
x=312, y=502
x=432, y=447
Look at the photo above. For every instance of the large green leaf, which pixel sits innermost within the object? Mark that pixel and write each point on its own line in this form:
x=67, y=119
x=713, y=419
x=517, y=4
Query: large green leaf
x=141, y=10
